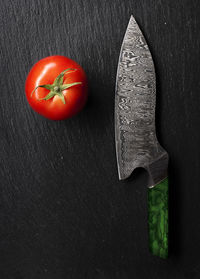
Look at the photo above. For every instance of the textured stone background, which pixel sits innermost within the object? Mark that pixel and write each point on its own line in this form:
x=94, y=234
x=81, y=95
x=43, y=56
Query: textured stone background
x=63, y=212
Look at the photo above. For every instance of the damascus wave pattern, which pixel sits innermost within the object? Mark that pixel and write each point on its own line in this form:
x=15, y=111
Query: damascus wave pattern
x=135, y=100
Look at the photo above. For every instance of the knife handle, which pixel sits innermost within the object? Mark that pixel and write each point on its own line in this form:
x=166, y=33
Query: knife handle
x=158, y=219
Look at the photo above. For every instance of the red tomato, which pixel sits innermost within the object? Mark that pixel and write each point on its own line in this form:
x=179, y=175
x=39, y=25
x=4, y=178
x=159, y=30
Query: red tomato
x=56, y=87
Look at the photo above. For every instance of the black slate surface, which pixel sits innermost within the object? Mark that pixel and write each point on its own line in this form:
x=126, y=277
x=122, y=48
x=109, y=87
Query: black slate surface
x=63, y=212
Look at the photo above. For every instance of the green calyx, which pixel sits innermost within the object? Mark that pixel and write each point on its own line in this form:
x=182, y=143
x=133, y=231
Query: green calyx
x=57, y=87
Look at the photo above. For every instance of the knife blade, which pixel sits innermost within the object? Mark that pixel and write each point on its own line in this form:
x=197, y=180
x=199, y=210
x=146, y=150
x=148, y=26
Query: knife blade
x=135, y=132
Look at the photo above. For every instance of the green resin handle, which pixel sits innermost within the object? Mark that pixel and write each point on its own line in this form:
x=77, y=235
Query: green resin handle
x=158, y=219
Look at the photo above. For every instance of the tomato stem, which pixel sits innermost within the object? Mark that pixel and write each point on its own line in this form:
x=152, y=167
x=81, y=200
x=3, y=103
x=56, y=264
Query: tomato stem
x=57, y=87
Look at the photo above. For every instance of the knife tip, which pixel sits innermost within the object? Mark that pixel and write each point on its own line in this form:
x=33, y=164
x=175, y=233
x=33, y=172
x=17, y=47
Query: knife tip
x=132, y=21
x=132, y=18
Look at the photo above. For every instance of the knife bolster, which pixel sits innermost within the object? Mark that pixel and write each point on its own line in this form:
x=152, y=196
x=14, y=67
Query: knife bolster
x=157, y=170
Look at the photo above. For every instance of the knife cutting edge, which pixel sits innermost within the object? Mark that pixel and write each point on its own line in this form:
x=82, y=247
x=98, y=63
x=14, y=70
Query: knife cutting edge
x=135, y=132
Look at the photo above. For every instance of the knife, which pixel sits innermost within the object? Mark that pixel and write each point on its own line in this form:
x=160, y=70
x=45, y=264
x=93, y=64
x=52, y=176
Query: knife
x=135, y=132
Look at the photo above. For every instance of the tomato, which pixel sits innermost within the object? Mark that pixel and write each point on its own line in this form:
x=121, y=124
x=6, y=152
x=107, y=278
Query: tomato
x=56, y=87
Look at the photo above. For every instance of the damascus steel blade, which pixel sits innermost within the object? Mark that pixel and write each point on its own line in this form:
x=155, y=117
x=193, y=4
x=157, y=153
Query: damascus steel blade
x=135, y=99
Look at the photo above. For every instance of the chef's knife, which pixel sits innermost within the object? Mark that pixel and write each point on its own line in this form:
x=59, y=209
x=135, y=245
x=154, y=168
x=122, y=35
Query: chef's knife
x=135, y=133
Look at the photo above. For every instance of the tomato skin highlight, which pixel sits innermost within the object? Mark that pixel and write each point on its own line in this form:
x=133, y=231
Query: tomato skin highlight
x=44, y=72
